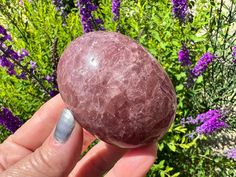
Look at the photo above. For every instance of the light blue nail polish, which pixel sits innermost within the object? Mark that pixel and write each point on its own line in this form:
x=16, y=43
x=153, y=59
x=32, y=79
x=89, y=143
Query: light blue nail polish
x=65, y=126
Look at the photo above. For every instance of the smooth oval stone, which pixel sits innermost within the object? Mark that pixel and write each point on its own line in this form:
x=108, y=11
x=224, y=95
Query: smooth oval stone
x=116, y=89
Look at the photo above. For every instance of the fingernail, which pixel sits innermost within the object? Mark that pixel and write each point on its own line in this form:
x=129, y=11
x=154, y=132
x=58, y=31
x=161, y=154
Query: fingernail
x=65, y=126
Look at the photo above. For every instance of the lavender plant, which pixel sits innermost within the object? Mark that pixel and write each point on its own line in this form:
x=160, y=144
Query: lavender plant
x=212, y=79
x=199, y=51
x=116, y=9
x=184, y=57
x=87, y=7
x=9, y=121
x=180, y=9
x=11, y=59
x=208, y=122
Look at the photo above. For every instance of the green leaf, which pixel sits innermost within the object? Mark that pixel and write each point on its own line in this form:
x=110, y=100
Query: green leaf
x=176, y=174
x=199, y=79
x=172, y=147
x=168, y=169
x=161, y=164
x=179, y=87
x=184, y=146
x=180, y=75
x=162, y=173
x=181, y=129
x=156, y=35
x=160, y=146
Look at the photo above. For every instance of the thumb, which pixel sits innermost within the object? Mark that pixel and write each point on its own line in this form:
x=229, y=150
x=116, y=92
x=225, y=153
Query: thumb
x=58, y=154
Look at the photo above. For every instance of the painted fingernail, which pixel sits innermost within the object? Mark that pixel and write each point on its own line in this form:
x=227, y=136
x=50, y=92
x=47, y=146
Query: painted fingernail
x=65, y=126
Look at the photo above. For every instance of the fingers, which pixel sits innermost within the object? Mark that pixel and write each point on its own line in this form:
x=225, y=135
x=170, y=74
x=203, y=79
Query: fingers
x=135, y=163
x=102, y=157
x=40, y=126
x=58, y=154
x=34, y=132
x=98, y=160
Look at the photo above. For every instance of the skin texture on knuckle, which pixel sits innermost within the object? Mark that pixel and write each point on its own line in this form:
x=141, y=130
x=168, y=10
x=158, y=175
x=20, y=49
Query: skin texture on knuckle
x=38, y=164
x=47, y=163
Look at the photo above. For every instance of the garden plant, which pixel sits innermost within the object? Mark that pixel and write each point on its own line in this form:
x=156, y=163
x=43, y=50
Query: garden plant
x=194, y=40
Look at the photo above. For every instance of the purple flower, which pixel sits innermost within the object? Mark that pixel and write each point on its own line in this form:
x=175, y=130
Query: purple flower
x=87, y=19
x=201, y=118
x=9, y=121
x=11, y=60
x=13, y=54
x=33, y=65
x=202, y=64
x=234, y=54
x=22, y=76
x=53, y=93
x=180, y=9
x=184, y=57
x=11, y=70
x=4, y=62
x=3, y=31
x=116, y=9
x=207, y=122
x=190, y=135
x=52, y=79
x=211, y=125
x=24, y=53
x=191, y=120
x=231, y=154
x=49, y=78
x=5, y=36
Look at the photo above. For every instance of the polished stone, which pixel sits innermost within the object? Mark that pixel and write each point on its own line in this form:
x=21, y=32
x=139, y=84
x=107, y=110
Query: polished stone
x=116, y=89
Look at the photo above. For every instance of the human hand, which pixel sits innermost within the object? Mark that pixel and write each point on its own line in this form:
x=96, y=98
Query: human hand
x=37, y=150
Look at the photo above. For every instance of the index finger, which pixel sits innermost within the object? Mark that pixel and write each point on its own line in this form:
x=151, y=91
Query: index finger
x=35, y=131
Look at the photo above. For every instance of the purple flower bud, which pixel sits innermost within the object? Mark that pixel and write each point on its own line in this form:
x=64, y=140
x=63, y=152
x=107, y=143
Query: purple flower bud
x=9, y=121
x=211, y=126
x=231, y=154
x=33, y=65
x=24, y=53
x=3, y=31
x=234, y=54
x=7, y=37
x=86, y=9
x=116, y=9
x=53, y=93
x=22, y=76
x=4, y=34
x=180, y=9
x=4, y=62
x=208, y=122
x=184, y=57
x=49, y=78
x=202, y=64
x=14, y=55
x=11, y=71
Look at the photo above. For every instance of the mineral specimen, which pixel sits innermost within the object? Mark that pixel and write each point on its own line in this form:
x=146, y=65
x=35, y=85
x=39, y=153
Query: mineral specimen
x=116, y=89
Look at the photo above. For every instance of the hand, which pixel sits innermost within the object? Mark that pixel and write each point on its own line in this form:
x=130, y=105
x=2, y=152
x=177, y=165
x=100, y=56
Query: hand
x=38, y=149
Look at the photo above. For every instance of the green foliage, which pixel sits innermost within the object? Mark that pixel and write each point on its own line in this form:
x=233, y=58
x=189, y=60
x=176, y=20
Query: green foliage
x=35, y=26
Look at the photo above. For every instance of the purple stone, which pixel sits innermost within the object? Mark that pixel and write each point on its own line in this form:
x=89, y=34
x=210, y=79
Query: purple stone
x=116, y=89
